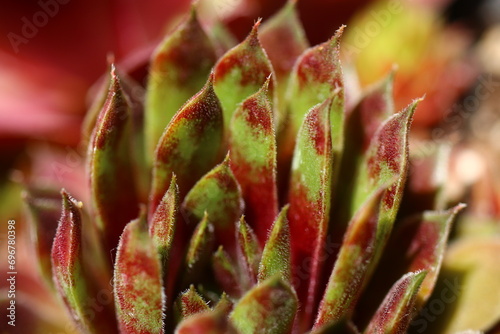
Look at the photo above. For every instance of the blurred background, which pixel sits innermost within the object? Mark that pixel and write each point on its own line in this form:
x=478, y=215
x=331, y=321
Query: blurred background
x=52, y=52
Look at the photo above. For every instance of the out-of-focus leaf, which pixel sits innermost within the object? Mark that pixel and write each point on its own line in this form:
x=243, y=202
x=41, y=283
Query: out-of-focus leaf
x=226, y=273
x=224, y=305
x=70, y=278
x=112, y=180
x=276, y=257
x=189, y=146
x=397, y=309
x=252, y=148
x=240, y=73
x=269, y=307
x=189, y=303
x=179, y=68
x=219, y=194
x=356, y=255
x=139, y=297
x=309, y=198
x=249, y=253
x=213, y=322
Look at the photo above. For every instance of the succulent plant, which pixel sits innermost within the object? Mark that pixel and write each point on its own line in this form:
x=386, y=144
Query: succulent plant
x=249, y=193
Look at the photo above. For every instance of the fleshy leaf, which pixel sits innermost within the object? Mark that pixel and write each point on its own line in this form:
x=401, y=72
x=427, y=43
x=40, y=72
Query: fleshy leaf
x=240, y=73
x=112, y=181
x=224, y=305
x=189, y=303
x=199, y=250
x=284, y=39
x=309, y=199
x=316, y=75
x=44, y=210
x=139, y=297
x=190, y=144
x=226, y=273
x=395, y=313
x=213, y=322
x=349, y=274
x=252, y=147
x=219, y=194
x=70, y=278
x=249, y=252
x=179, y=68
x=276, y=255
x=269, y=307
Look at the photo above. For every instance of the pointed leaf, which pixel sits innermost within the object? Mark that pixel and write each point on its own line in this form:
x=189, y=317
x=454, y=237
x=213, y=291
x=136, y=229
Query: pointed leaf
x=179, y=68
x=269, y=307
x=240, y=73
x=112, y=181
x=206, y=323
x=309, y=199
x=224, y=305
x=226, y=273
x=356, y=255
x=190, y=144
x=70, y=278
x=316, y=75
x=395, y=313
x=199, y=250
x=44, y=210
x=139, y=297
x=249, y=252
x=189, y=303
x=276, y=255
x=219, y=195
x=252, y=148
x=284, y=39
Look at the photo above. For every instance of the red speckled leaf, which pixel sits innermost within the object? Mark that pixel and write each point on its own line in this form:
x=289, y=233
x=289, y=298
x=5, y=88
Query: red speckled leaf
x=112, y=181
x=44, y=210
x=284, y=40
x=355, y=258
x=206, y=323
x=252, y=147
x=70, y=277
x=240, y=73
x=276, y=257
x=189, y=146
x=316, y=75
x=269, y=308
x=189, y=303
x=226, y=273
x=309, y=199
x=179, y=68
x=139, y=297
x=249, y=253
x=397, y=309
x=199, y=250
x=219, y=194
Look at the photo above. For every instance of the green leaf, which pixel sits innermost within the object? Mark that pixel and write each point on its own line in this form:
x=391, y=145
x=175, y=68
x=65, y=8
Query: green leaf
x=276, y=257
x=212, y=322
x=268, y=308
x=395, y=313
x=354, y=260
x=309, y=198
x=112, y=180
x=240, y=73
x=226, y=273
x=179, y=68
x=249, y=253
x=189, y=146
x=252, y=148
x=139, y=297
x=189, y=303
x=70, y=278
x=219, y=194
x=224, y=305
